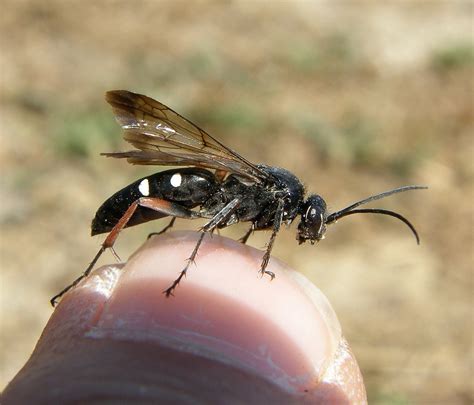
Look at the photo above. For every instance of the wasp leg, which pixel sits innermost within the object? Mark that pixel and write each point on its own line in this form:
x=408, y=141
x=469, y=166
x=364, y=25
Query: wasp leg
x=207, y=228
x=169, y=226
x=170, y=289
x=157, y=204
x=276, y=228
x=244, y=238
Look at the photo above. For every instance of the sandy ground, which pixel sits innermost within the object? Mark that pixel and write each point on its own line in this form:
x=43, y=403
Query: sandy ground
x=353, y=97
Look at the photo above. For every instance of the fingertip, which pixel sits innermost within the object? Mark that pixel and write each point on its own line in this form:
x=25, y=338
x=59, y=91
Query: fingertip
x=283, y=329
x=223, y=316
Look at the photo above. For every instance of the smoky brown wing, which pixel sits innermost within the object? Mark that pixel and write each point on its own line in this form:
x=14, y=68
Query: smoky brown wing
x=204, y=160
x=164, y=137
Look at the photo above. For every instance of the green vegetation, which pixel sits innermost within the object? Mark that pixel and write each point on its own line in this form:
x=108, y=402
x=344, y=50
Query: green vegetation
x=359, y=137
x=330, y=55
x=389, y=398
x=82, y=134
x=229, y=116
x=453, y=57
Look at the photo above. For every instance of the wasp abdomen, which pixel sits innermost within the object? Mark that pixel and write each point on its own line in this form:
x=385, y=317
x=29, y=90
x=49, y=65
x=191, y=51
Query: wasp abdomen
x=187, y=187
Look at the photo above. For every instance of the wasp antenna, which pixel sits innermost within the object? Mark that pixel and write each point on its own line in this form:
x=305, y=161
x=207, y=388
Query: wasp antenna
x=375, y=197
x=334, y=217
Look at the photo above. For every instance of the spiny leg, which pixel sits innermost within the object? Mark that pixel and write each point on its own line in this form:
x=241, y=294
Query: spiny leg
x=207, y=228
x=156, y=204
x=191, y=259
x=276, y=227
x=169, y=226
x=55, y=299
x=108, y=243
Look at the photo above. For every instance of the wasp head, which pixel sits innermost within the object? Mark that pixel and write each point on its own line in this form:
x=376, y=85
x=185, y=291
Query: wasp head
x=313, y=220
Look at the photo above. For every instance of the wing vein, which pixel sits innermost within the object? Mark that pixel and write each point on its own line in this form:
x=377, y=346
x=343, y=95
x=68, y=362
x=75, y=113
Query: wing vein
x=164, y=137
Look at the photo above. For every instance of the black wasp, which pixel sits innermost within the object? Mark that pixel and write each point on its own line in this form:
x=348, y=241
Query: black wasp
x=219, y=185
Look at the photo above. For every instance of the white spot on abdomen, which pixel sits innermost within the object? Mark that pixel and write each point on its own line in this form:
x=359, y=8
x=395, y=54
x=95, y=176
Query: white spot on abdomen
x=176, y=180
x=144, y=187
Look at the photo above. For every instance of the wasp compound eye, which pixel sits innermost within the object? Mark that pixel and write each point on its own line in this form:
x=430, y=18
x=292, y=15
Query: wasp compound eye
x=313, y=219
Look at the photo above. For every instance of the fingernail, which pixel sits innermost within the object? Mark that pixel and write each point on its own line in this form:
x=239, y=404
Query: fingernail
x=284, y=330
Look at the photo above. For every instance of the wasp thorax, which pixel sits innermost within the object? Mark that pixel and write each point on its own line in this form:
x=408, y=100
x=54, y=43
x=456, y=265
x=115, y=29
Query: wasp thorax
x=313, y=220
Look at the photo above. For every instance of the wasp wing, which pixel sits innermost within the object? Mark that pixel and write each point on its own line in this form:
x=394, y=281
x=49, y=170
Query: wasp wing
x=164, y=137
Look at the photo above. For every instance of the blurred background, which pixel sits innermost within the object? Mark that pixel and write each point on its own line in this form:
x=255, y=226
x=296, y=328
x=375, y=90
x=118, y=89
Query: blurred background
x=354, y=97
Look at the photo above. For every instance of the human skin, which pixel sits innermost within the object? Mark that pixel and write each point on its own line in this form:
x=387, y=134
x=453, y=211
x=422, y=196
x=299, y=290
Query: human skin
x=226, y=336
